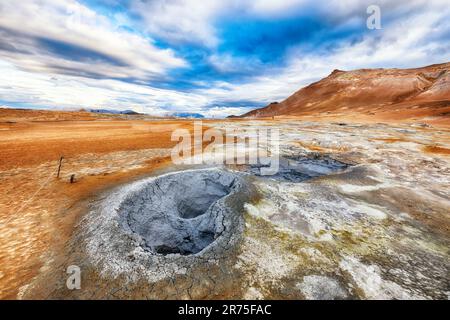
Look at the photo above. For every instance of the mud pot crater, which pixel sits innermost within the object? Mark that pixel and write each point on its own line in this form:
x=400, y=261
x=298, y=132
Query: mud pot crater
x=168, y=225
x=180, y=213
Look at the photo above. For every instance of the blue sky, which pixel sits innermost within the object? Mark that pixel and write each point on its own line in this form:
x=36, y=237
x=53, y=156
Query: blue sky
x=211, y=57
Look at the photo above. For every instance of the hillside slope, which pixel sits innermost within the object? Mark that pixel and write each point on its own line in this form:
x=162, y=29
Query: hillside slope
x=401, y=93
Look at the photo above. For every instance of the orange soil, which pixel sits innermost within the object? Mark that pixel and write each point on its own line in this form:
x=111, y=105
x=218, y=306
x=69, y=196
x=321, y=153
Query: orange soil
x=390, y=140
x=33, y=143
x=38, y=211
x=310, y=146
x=436, y=149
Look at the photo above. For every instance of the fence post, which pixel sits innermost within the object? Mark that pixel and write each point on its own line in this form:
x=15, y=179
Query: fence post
x=59, y=167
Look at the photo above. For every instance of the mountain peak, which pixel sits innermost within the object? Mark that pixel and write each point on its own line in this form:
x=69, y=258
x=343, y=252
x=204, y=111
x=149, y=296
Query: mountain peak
x=336, y=71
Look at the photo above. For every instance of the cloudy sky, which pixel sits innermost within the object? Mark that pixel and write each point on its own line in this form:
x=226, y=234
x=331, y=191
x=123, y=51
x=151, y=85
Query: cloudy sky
x=214, y=57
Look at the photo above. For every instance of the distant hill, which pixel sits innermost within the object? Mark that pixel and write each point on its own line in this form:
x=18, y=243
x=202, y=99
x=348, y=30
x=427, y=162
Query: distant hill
x=400, y=93
x=188, y=115
x=112, y=111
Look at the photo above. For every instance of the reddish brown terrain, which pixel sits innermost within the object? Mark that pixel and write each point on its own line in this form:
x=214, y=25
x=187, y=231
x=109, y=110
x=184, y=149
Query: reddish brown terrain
x=37, y=209
x=378, y=94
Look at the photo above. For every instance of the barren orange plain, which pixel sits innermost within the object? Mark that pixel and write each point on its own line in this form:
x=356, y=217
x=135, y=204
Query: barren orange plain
x=37, y=210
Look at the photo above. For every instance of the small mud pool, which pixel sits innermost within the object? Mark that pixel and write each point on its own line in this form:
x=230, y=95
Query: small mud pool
x=301, y=168
x=179, y=213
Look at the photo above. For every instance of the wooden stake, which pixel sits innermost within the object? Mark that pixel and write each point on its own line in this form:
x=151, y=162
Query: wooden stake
x=59, y=167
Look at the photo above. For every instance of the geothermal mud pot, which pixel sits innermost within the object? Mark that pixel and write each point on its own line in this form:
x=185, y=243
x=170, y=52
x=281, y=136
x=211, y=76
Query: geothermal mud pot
x=182, y=213
x=177, y=227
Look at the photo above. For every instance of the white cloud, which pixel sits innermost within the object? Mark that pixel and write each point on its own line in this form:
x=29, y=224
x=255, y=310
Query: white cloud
x=61, y=91
x=24, y=23
x=181, y=20
x=66, y=92
x=193, y=21
x=226, y=62
x=220, y=112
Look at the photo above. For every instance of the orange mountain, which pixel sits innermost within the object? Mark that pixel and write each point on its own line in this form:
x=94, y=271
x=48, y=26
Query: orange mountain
x=396, y=93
